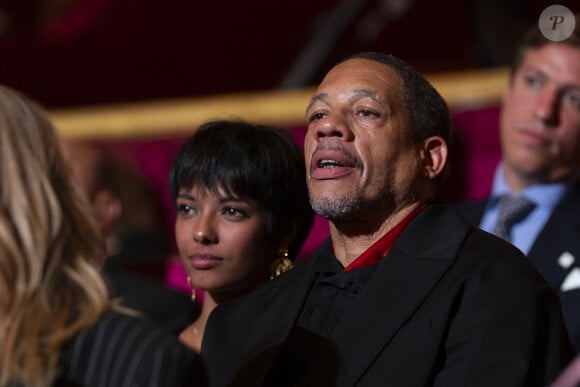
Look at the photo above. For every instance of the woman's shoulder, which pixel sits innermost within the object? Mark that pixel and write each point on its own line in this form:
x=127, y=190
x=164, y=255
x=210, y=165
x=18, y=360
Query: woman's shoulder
x=120, y=349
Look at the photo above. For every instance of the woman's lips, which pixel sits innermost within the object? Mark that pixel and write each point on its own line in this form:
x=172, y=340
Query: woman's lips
x=204, y=261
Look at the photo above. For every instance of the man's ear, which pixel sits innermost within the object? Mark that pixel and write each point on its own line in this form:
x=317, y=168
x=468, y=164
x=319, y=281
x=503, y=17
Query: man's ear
x=434, y=156
x=107, y=209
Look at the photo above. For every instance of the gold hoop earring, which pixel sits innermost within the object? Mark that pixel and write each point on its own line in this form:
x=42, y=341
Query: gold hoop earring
x=192, y=289
x=281, y=264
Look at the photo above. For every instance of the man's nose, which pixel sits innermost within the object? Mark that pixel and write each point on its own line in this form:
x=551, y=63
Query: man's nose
x=547, y=107
x=335, y=124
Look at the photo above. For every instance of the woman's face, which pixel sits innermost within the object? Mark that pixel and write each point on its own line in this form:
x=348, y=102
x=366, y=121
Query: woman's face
x=224, y=242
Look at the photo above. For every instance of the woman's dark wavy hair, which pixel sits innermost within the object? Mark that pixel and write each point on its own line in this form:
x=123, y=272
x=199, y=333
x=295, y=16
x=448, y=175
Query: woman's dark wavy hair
x=255, y=162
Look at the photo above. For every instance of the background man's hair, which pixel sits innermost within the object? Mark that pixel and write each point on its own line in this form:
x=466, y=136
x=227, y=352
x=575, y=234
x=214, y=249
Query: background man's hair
x=534, y=39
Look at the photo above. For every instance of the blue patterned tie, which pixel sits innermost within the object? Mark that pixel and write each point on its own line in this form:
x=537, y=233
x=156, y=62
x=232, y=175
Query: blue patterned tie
x=512, y=209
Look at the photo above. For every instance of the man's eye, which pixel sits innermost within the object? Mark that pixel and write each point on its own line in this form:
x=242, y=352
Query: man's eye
x=367, y=113
x=532, y=80
x=316, y=117
x=573, y=98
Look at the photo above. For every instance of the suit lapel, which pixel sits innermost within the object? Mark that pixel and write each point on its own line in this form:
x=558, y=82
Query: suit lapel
x=557, y=244
x=275, y=312
x=560, y=236
x=419, y=258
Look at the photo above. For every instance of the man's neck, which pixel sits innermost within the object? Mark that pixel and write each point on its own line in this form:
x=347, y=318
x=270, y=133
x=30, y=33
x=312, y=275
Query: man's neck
x=349, y=245
x=518, y=182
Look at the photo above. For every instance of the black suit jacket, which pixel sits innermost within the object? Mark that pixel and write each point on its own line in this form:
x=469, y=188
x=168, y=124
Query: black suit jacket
x=560, y=236
x=450, y=305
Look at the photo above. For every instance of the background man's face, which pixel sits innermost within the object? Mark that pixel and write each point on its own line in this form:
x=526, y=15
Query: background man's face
x=540, y=122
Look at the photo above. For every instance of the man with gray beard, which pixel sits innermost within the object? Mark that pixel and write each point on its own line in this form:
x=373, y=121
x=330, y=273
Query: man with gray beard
x=404, y=292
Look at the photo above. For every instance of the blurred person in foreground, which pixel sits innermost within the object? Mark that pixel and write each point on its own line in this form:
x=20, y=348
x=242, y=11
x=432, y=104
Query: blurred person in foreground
x=242, y=211
x=404, y=292
x=540, y=167
x=58, y=326
x=125, y=210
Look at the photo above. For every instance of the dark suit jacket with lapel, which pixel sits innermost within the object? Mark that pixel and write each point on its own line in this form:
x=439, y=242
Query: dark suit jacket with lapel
x=560, y=235
x=450, y=305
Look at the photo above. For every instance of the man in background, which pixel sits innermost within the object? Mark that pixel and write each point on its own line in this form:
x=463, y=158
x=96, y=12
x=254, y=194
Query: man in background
x=535, y=198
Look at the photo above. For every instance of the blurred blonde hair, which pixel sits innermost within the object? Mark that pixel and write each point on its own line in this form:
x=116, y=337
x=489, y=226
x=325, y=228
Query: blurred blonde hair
x=50, y=249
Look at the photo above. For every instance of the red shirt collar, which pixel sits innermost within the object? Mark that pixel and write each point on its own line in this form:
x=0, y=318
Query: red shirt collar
x=381, y=247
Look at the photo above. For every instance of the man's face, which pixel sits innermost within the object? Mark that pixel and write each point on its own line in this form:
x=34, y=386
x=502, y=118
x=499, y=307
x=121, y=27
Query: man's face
x=359, y=157
x=540, y=121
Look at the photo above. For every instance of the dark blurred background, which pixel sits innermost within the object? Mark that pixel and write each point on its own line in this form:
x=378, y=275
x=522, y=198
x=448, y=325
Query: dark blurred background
x=67, y=53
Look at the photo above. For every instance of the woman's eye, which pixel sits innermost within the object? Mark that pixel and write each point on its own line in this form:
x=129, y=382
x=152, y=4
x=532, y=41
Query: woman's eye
x=184, y=209
x=235, y=212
